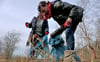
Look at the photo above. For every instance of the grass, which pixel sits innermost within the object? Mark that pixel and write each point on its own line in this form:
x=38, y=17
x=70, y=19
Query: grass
x=84, y=53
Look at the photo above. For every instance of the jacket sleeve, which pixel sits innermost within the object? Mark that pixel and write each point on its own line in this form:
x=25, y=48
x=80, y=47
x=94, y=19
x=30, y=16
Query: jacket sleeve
x=76, y=13
x=33, y=25
x=30, y=24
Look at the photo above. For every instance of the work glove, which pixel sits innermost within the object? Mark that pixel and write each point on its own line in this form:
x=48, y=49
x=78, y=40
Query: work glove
x=27, y=24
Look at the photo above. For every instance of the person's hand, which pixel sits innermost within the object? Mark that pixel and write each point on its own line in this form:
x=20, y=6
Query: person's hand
x=27, y=44
x=67, y=22
x=27, y=24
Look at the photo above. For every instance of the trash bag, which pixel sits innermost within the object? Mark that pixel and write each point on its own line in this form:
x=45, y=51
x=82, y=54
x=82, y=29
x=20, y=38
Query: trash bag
x=58, y=47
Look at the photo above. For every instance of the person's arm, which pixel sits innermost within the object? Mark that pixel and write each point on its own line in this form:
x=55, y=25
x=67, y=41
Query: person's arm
x=76, y=14
x=28, y=25
x=29, y=38
x=68, y=7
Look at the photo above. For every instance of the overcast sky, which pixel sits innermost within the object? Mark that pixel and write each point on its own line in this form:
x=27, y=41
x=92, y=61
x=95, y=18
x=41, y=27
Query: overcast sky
x=14, y=14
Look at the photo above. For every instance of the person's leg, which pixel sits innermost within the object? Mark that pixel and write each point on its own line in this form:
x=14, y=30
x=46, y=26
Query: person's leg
x=30, y=54
x=33, y=53
x=70, y=38
x=70, y=35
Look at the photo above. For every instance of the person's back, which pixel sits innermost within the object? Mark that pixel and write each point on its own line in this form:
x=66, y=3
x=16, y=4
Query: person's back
x=62, y=10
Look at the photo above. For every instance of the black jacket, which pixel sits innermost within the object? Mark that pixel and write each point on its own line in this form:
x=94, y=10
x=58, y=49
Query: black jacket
x=44, y=26
x=62, y=10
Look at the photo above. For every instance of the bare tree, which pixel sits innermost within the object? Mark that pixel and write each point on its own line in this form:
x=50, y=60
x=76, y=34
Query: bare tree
x=10, y=41
x=98, y=29
x=98, y=34
x=89, y=19
x=85, y=26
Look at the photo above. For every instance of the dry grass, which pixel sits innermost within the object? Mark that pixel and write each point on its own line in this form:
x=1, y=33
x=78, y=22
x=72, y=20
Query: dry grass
x=85, y=54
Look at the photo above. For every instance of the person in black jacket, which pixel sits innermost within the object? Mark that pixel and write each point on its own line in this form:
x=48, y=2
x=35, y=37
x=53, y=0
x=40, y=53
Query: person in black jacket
x=66, y=15
x=39, y=31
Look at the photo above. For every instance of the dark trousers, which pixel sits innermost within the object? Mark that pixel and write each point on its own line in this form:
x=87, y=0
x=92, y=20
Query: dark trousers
x=70, y=35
